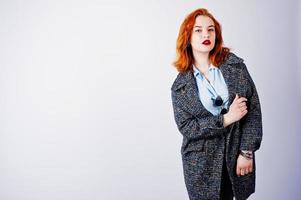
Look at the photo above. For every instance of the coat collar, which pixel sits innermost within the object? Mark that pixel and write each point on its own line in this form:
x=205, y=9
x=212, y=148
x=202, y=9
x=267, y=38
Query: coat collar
x=187, y=81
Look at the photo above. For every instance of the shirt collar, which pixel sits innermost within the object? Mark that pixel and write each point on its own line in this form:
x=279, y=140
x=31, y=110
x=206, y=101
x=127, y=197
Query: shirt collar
x=196, y=72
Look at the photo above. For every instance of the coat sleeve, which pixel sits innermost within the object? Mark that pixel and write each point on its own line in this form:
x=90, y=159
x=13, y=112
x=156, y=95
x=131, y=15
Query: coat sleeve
x=193, y=127
x=251, y=123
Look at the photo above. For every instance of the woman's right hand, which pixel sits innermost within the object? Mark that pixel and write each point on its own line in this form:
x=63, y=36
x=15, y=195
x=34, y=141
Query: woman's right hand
x=237, y=110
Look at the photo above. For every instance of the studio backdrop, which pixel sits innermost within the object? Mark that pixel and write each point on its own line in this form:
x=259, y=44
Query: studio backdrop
x=85, y=99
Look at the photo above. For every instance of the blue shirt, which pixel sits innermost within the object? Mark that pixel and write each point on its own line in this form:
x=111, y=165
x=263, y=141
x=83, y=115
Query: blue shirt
x=209, y=90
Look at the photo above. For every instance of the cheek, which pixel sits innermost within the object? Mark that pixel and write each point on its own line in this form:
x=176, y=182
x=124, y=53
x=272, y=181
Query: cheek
x=194, y=39
x=213, y=40
x=214, y=37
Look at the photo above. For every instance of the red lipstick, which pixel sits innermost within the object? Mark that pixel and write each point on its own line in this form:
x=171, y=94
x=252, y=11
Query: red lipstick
x=206, y=42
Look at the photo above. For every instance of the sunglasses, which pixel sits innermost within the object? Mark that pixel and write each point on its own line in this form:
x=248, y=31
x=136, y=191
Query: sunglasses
x=218, y=102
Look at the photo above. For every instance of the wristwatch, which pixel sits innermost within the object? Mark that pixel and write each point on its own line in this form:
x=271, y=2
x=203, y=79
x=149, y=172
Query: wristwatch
x=247, y=154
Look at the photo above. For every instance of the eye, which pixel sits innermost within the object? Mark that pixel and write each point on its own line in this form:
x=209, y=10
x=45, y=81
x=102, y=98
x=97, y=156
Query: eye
x=211, y=29
x=198, y=30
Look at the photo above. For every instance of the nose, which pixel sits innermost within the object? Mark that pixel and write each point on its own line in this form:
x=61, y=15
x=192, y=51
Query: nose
x=206, y=34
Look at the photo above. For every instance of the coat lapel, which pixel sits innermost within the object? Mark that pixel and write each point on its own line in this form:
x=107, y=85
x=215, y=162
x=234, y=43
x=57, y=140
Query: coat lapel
x=230, y=75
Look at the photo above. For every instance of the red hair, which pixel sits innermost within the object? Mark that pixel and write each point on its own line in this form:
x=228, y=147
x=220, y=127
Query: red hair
x=185, y=58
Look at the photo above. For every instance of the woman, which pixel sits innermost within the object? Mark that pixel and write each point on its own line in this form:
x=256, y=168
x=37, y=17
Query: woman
x=217, y=110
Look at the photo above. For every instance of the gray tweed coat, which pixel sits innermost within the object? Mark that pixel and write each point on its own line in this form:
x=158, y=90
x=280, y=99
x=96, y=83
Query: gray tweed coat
x=206, y=141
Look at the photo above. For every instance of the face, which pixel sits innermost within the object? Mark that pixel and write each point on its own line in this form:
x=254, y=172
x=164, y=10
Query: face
x=203, y=30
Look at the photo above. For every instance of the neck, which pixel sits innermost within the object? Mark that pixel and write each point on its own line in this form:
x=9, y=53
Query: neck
x=201, y=60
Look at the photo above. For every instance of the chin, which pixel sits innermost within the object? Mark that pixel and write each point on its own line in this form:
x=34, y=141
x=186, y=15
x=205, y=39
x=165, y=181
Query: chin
x=205, y=50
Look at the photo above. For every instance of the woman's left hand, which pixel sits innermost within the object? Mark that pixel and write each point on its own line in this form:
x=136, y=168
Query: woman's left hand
x=244, y=166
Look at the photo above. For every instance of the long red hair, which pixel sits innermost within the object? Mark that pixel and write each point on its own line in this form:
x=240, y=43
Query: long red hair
x=184, y=59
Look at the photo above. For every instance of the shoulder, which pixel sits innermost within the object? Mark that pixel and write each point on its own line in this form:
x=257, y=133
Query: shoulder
x=234, y=60
x=238, y=64
x=180, y=80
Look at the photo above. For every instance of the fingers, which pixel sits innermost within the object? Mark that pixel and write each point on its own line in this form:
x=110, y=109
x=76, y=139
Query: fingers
x=238, y=108
x=243, y=171
x=243, y=108
x=243, y=166
x=243, y=113
x=240, y=99
x=241, y=102
x=251, y=167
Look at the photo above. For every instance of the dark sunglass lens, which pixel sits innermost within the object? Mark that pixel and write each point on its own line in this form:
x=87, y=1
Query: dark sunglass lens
x=224, y=111
x=218, y=101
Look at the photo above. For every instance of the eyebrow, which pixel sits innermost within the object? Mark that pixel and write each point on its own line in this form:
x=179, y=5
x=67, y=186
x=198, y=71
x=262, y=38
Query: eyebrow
x=201, y=26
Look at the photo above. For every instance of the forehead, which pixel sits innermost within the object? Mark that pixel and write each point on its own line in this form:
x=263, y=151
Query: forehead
x=203, y=21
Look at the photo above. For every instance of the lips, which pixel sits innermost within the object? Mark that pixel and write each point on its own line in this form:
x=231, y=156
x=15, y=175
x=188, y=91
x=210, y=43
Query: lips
x=206, y=42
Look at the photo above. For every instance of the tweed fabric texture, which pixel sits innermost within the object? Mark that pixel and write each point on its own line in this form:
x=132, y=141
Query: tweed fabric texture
x=205, y=140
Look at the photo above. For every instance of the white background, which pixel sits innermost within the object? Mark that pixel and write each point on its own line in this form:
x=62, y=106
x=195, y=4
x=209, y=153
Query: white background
x=85, y=105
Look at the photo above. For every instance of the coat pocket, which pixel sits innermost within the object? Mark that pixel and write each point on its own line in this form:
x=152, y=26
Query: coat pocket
x=194, y=155
x=245, y=185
